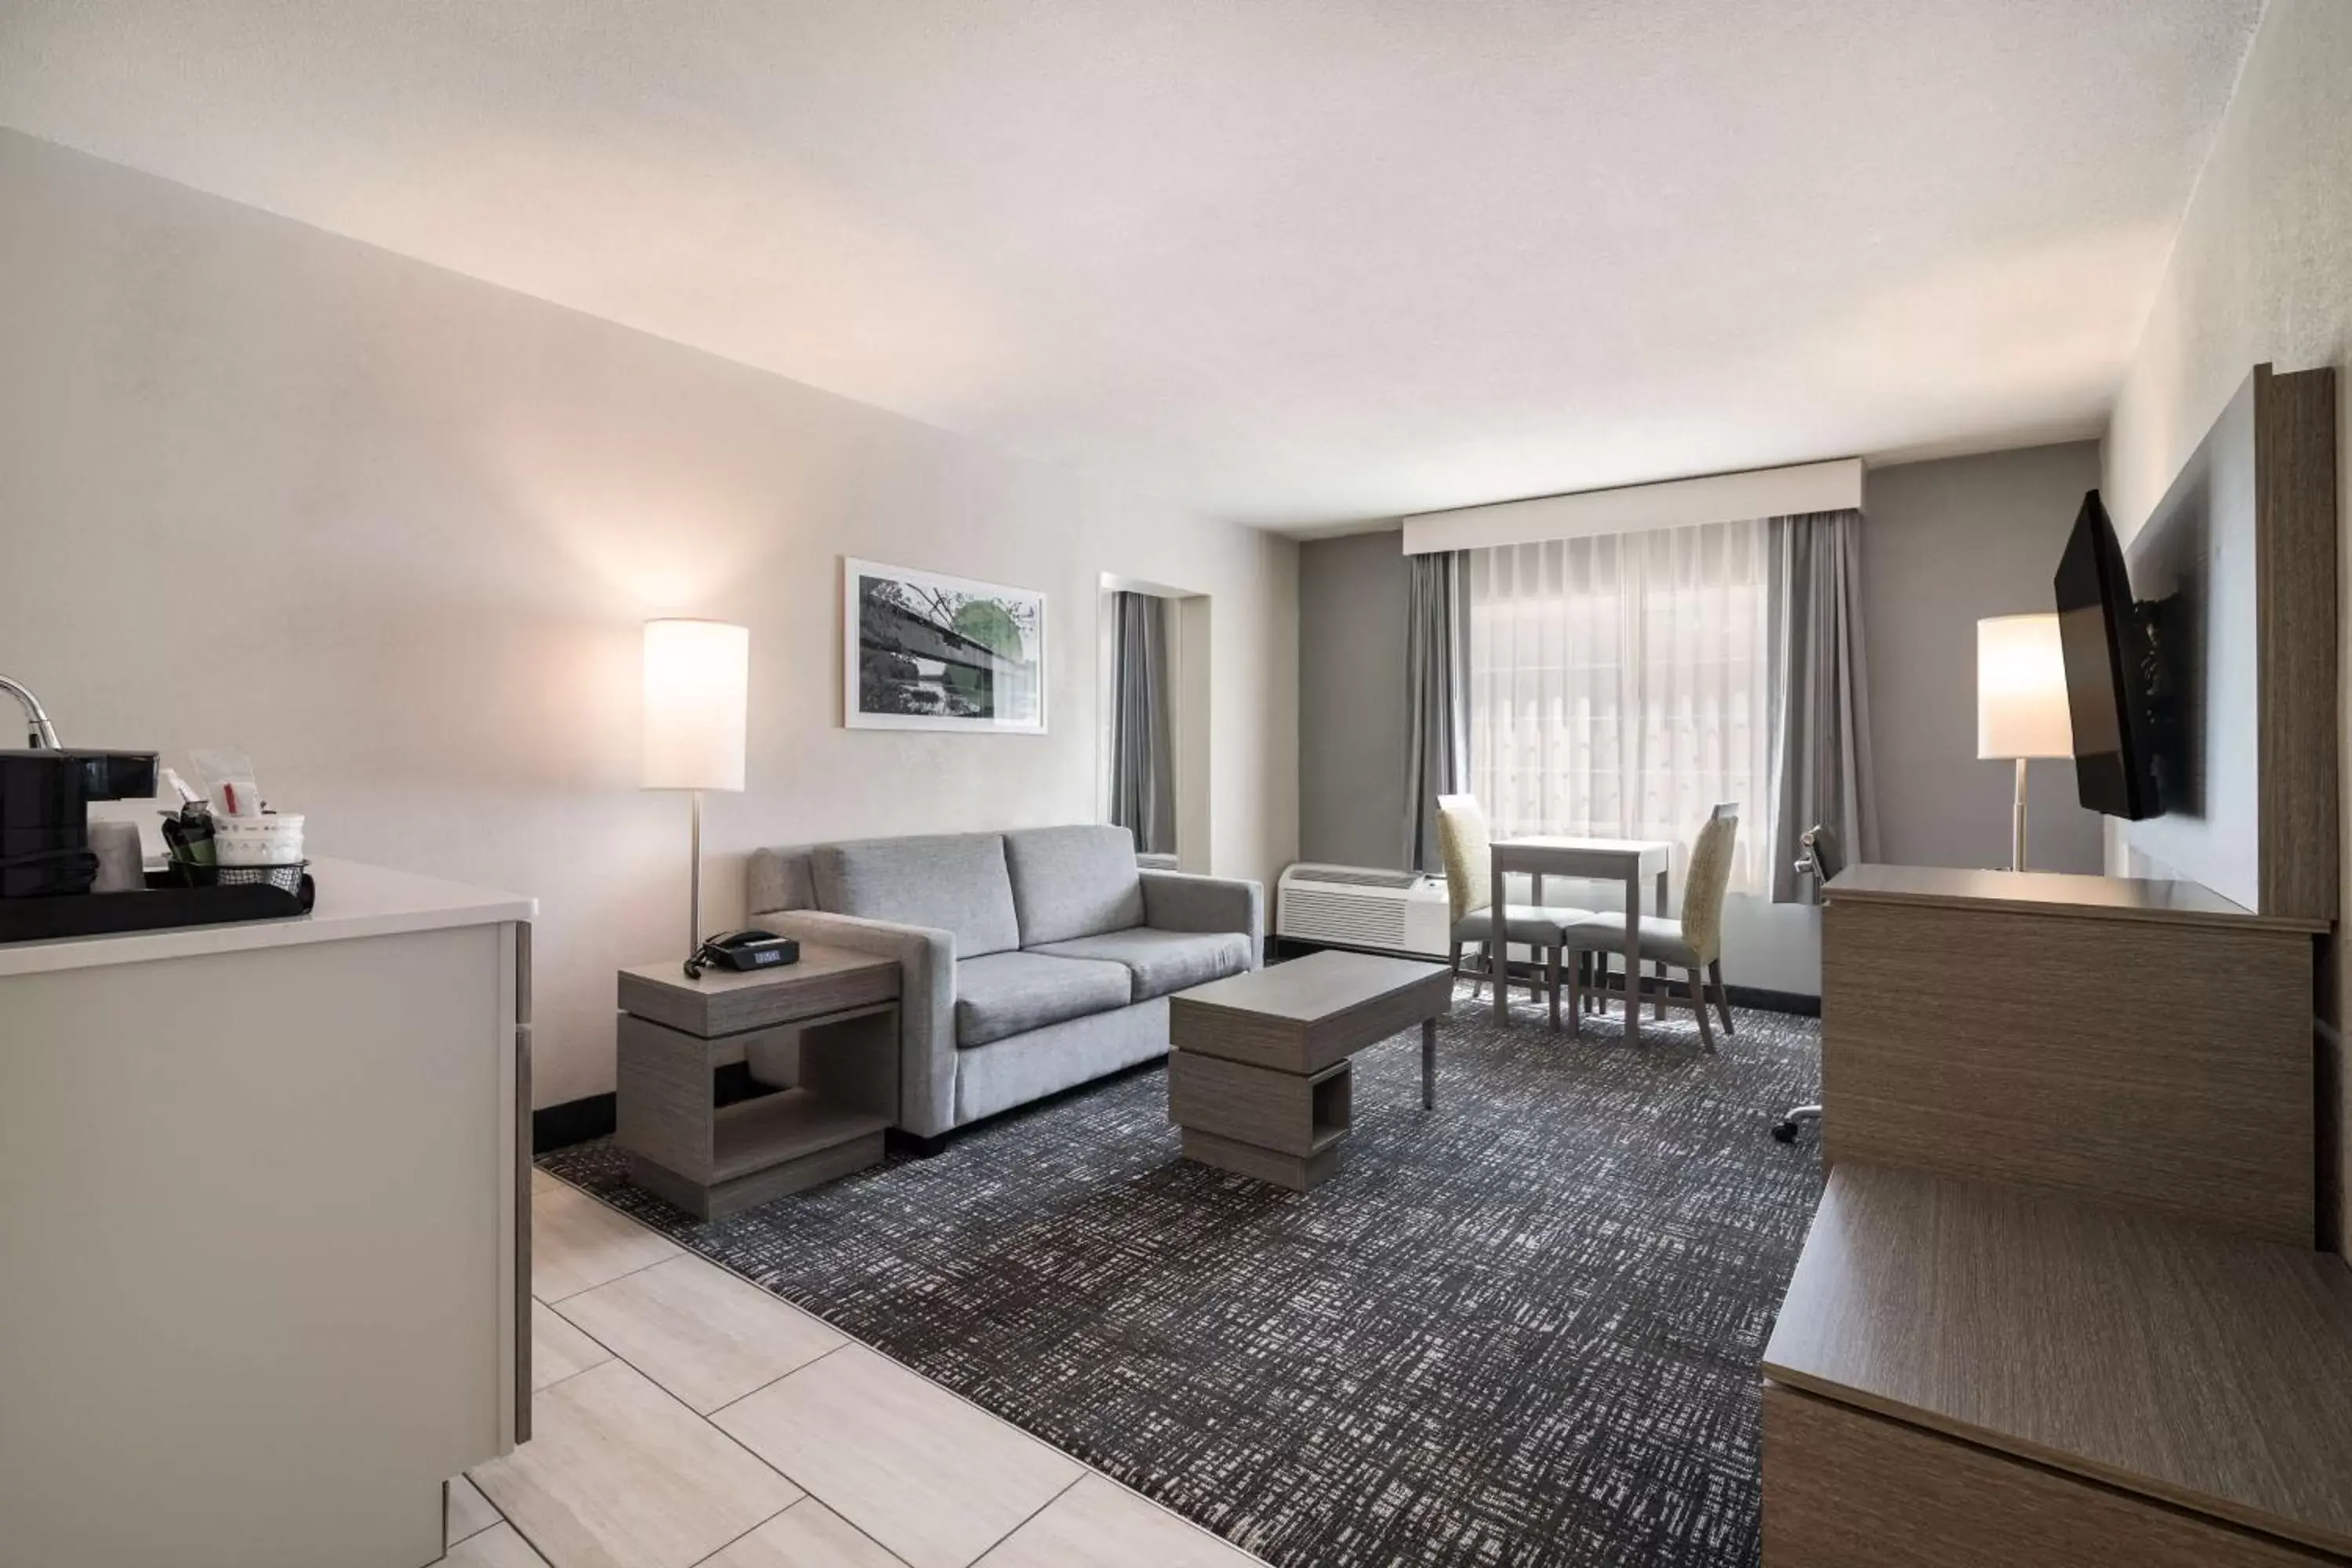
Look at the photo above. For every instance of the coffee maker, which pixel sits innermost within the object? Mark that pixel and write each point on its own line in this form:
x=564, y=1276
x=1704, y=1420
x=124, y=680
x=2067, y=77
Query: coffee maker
x=45, y=795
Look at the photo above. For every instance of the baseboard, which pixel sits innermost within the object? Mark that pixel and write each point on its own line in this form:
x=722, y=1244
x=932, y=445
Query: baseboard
x=1281, y=948
x=574, y=1121
x=1763, y=1001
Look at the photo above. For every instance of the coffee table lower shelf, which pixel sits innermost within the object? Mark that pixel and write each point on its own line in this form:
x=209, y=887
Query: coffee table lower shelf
x=1299, y=1172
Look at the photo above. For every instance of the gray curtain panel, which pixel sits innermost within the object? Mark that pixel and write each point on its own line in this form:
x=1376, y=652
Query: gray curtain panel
x=1437, y=699
x=1143, y=766
x=1821, y=744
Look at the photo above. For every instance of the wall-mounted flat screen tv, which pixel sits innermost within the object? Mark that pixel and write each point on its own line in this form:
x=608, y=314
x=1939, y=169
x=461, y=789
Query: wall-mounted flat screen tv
x=2108, y=671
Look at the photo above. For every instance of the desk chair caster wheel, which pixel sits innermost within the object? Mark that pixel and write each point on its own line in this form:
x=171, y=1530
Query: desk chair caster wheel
x=1787, y=1132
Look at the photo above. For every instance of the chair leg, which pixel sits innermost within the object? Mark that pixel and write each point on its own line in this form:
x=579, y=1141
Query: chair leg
x=1722, y=996
x=1486, y=971
x=1659, y=972
x=1699, y=1006
x=1551, y=971
x=1600, y=985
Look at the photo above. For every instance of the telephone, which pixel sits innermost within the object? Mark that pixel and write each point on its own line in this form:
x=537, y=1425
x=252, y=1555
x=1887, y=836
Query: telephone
x=743, y=950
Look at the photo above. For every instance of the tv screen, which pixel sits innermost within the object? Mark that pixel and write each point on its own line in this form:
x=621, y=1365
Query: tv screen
x=2106, y=671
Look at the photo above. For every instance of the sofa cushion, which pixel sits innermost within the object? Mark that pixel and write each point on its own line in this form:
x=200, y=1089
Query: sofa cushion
x=1162, y=961
x=778, y=878
x=1007, y=994
x=952, y=881
x=993, y=1078
x=1073, y=881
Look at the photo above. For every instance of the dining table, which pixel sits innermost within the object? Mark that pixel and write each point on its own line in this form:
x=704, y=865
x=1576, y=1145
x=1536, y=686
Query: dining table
x=1627, y=861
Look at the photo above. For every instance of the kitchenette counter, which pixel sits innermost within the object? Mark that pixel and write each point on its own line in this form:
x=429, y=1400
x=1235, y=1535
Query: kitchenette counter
x=274, y=1166
x=354, y=900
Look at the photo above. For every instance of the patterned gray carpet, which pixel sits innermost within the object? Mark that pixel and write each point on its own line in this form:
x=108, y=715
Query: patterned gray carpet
x=1521, y=1329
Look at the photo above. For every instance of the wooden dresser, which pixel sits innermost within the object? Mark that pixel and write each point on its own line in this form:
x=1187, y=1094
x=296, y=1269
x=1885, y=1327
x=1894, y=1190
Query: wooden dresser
x=2064, y=1302
x=2126, y=1041
x=1964, y=1373
x=2061, y=1304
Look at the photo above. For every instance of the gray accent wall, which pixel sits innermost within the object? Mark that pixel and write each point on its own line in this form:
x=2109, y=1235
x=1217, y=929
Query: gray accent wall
x=1352, y=744
x=1946, y=543
x=1352, y=717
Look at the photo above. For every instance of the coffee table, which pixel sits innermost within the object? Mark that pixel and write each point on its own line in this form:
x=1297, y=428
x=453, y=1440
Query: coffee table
x=1258, y=1075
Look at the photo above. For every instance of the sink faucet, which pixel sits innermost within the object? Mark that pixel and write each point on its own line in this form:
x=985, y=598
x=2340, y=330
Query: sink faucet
x=44, y=733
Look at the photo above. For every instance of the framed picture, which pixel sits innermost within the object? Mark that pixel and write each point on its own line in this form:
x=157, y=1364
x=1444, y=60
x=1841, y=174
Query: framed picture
x=924, y=652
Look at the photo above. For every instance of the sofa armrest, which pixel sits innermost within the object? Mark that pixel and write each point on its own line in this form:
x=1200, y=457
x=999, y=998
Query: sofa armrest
x=927, y=996
x=1178, y=901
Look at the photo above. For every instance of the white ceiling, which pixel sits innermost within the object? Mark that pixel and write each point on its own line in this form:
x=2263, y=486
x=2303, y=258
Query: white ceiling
x=1294, y=264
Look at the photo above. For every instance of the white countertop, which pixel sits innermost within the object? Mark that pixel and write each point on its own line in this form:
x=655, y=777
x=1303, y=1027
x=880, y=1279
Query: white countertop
x=355, y=901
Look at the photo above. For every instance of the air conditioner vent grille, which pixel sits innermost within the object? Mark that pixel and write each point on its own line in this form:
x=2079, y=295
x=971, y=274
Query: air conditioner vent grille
x=1347, y=877
x=1336, y=917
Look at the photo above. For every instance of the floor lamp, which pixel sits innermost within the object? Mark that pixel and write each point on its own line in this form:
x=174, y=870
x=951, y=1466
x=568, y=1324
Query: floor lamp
x=698, y=677
x=2021, y=702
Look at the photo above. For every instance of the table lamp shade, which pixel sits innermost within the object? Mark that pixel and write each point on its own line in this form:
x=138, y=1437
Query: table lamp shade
x=2022, y=688
x=698, y=682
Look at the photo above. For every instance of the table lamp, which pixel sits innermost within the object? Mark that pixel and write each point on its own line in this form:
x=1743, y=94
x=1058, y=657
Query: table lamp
x=697, y=679
x=2021, y=701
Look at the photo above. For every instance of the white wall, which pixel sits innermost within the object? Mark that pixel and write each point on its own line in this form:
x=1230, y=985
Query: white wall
x=2262, y=270
x=393, y=531
x=2262, y=266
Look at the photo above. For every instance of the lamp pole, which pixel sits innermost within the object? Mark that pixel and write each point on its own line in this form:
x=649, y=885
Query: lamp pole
x=2017, y=823
x=694, y=912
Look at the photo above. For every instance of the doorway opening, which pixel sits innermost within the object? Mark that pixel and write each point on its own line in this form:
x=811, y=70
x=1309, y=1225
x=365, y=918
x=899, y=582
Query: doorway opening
x=1153, y=736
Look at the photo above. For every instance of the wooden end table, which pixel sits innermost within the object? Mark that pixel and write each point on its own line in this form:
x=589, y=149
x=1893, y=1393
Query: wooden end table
x=1258, y=1075
x=833, y=1015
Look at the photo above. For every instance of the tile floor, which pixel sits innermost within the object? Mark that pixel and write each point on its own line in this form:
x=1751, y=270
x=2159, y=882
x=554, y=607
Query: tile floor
x=684, y=1416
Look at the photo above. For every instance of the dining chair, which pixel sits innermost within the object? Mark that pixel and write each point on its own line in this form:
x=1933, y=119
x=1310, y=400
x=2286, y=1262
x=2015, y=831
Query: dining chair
x=1463, y=841
x=1693, y=944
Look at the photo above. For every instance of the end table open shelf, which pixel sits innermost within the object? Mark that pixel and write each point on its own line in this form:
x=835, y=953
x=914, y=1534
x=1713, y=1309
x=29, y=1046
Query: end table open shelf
x=832, y=1018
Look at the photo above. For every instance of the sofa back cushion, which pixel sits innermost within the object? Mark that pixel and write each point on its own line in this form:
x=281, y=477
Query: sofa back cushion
x=1074, y=881
x=778, y=878
x=953, y=881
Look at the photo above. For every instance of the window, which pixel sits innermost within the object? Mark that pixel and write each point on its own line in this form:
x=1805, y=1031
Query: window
x=1620, y=686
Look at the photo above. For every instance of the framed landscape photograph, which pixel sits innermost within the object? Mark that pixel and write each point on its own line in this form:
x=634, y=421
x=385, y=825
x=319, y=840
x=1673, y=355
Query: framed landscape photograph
x=924, y=652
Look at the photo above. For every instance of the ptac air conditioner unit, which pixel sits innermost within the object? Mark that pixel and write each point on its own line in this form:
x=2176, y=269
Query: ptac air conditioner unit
x=1350, y=906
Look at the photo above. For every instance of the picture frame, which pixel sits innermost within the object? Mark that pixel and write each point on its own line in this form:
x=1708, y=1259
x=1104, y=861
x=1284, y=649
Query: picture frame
x=924, y=651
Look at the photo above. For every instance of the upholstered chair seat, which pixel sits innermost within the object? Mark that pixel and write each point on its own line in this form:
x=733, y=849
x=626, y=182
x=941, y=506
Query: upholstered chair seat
x=1662, y=940
x=1693, y=944
x=1536, y=925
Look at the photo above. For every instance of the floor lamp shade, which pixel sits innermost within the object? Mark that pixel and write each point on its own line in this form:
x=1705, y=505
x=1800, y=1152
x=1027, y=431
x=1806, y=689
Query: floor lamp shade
x=697, y=687
x=2022, y=688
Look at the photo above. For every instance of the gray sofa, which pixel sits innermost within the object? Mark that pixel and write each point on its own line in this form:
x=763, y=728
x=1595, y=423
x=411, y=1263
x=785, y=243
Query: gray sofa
x=1029, y=960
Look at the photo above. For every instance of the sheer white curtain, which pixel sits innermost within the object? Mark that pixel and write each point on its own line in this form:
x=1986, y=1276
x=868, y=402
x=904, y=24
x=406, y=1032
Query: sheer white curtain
x=1618, y=686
